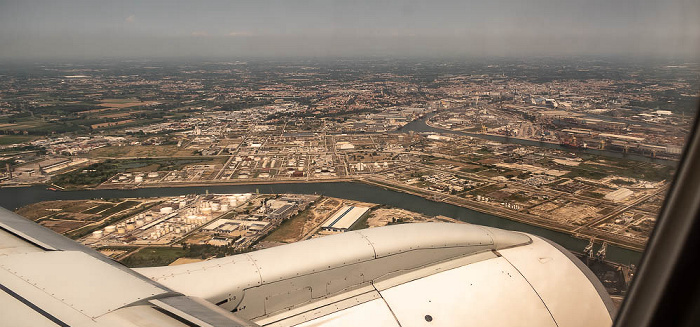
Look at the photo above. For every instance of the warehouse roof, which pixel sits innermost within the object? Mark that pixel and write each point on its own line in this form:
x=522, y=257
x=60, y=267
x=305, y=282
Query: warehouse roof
x=345, y=217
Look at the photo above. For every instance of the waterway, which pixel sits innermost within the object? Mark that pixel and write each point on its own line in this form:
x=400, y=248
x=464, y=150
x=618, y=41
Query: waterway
x=419, y=126
x=13, y=198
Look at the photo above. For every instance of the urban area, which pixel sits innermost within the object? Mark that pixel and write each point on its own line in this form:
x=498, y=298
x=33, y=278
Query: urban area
x=586, y=148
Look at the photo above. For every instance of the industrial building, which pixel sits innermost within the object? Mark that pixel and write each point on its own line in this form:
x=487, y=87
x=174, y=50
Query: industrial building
x=619, y=195
x=226, y=226
x=345, y=218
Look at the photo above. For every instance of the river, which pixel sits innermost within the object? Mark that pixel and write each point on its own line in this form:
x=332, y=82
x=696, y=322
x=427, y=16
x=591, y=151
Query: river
x=13, y=198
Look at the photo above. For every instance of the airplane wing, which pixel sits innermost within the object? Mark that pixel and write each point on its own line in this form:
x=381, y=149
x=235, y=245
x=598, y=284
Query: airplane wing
x=47, y=279
x=430, y=274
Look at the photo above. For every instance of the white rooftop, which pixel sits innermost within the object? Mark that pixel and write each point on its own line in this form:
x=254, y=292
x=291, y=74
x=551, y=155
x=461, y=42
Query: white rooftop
x=345, y=217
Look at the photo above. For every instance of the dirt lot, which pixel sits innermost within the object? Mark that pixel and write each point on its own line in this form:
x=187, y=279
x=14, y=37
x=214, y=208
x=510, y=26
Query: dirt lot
x=47, y=208
x=182, y=261
x=575, y=214
x=390, y=216
x=292, y=230
x=383, y=217
x=198, y=238
x=62, y=226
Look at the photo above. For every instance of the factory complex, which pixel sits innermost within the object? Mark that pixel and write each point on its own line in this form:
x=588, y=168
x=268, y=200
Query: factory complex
x=213, y=219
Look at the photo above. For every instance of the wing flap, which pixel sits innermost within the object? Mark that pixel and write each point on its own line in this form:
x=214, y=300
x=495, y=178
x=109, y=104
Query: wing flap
x=89, y=286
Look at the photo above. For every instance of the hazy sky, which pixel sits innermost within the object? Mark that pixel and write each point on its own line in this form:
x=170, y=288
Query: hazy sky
x=58, y=29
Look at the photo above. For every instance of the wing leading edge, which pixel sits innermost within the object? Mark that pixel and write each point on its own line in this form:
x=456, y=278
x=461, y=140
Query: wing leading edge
x=429, y=274
x=454, y=273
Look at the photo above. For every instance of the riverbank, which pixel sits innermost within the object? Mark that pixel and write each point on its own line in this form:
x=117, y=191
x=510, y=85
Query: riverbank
x=571, y=230
x=667, y=160
x=105, y=186
x=515, y=216
x=520, y=217
x=18, y=197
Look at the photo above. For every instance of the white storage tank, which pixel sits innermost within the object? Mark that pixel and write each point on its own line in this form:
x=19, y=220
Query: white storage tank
x=97, y=234
x=224, y=207
x=138, y=179
x=166, y=210
x=110, y=229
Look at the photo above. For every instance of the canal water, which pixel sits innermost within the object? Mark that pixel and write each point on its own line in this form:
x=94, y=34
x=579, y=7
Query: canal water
x=13, y=198
x=419, y=126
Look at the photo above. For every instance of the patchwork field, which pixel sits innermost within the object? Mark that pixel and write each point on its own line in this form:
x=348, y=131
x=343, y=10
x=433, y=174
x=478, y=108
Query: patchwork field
x=125, y=103
x=140, y=151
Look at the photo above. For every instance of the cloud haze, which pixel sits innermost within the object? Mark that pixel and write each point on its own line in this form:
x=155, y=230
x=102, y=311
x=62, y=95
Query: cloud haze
x=84, y=29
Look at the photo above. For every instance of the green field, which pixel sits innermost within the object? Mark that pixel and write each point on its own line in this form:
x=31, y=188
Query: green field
x=153, y=257
x=15, y=139
x=585, y=174
x=119, y=207
x=91, y=175
x=486, y=190
x=163, y=256
x=625, y=168
x=98, y=173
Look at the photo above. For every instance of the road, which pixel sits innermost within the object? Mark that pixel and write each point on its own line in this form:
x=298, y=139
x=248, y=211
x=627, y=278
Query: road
x=634, y=244
x=621, y=210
